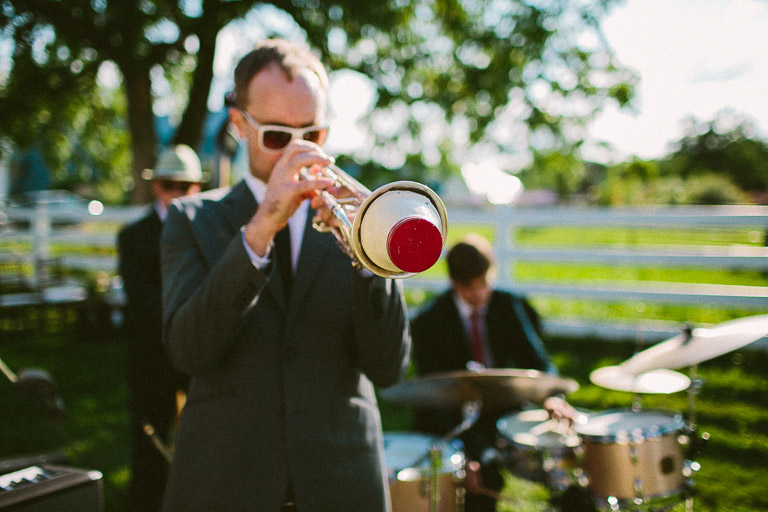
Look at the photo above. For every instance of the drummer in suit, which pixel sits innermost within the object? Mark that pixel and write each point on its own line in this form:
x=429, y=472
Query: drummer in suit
x=155, y=388
x=473, y=326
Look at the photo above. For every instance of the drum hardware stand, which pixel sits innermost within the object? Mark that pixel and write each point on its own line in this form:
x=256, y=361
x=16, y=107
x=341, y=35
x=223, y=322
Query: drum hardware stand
x=435, y=461
x=693, y=390
x=470, y=413
x=696, y=442
x=158, y=443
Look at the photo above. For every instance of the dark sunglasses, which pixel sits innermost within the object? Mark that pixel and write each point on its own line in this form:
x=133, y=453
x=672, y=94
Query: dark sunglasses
x=179, y=186
x=273, y=138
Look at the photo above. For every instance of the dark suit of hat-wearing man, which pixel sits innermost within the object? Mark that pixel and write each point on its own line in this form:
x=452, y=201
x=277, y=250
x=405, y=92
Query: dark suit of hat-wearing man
x=473, y=325
x=152, y=383
x=281, y=412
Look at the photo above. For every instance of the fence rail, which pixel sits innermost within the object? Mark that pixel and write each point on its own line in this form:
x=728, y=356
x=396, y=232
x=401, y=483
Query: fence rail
x=506, y=222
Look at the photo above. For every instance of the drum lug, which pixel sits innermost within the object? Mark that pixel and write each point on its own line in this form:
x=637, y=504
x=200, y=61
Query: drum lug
x=690, y=467
x=638, y=486
x=696, y=442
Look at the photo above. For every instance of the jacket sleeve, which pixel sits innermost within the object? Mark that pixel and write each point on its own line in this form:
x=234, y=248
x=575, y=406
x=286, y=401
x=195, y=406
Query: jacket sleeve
x=203, y=302
x=381, y=329
x=143, y=305
x=530, y=324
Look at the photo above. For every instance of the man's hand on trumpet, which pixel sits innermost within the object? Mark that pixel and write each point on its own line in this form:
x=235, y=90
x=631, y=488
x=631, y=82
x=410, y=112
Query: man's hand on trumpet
x=286, y=191
x=324, y=204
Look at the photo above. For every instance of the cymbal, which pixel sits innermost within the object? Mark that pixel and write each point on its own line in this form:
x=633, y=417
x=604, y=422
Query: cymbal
x=701, y=344
x=655, y=381
x=495, y=388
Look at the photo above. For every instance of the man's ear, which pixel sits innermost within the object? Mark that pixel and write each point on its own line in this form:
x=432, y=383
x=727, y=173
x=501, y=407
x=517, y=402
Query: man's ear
x=237, y=119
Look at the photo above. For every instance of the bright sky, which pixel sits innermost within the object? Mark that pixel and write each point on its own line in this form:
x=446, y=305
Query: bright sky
x=694, y=58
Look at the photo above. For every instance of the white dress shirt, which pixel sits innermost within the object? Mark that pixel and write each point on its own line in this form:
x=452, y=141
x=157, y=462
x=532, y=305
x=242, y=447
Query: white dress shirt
x=295, y=224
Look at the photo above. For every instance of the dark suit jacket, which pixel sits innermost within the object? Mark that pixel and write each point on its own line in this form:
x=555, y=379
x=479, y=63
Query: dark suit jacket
x=149, y=371
x=281, y=388
x=441, y=344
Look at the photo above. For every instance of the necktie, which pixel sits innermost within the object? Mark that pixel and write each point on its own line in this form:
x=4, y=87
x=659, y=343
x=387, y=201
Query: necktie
x=476, y=337
x=283, y=256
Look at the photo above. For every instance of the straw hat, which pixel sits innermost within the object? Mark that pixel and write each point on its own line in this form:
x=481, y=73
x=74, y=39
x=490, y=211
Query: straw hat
x=178, y=163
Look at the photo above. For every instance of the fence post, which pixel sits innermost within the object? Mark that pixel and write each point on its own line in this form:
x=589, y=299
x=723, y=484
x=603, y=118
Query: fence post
x=41, y=241
x=505, y=242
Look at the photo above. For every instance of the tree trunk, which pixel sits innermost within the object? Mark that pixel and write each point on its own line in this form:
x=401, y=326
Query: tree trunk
x=190, y=130
x=141, y=124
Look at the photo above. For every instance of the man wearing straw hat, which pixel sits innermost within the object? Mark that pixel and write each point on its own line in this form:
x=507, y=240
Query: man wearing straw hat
x=153, y=384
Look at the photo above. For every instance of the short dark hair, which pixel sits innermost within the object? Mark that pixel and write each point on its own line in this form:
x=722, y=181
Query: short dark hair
x=291, y=57
x=469, y=259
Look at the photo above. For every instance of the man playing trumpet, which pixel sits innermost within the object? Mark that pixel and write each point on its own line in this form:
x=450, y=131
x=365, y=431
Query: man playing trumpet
x=283, y=339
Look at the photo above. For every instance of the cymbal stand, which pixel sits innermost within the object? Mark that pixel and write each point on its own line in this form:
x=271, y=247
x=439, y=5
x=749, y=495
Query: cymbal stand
x=696, y=443
x=693, y=390
x=470, y=413
x=10, y=375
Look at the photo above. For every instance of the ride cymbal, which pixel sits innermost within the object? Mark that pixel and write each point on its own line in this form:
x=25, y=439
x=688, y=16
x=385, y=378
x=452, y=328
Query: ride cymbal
x=495, y=388
x=661, y=381
x=699, y=344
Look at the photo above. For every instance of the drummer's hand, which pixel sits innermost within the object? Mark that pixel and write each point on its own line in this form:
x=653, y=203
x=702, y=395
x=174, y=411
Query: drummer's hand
x=559, y=409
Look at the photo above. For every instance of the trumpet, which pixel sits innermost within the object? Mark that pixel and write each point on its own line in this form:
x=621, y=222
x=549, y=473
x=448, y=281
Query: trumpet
x=398, y=229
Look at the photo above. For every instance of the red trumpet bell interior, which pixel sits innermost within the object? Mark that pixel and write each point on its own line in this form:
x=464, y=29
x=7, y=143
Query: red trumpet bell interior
x=415, y=244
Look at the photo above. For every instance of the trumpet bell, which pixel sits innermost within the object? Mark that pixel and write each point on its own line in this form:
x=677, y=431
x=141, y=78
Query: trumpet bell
x=400, y=229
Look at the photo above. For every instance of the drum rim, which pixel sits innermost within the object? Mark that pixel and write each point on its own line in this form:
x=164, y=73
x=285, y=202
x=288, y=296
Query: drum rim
x=570, y=441
x=671, y=497
x=675, y=424
x=447, y=465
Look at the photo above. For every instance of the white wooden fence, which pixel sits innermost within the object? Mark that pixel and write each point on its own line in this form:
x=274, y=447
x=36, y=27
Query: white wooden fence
x=506, y=222
x=100, y=232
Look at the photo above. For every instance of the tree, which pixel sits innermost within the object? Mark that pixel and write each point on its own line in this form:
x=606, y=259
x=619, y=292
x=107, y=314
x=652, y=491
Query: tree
x=60, y=47
x=456, y=79
x=727, y=146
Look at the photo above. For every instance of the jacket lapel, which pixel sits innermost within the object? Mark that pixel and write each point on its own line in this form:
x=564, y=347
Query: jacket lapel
x=239, y=206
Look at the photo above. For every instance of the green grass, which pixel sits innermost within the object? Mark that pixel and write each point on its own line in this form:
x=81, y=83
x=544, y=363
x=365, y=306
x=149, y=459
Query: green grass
x=732, y=406
x=621, y=237
x=91, y=379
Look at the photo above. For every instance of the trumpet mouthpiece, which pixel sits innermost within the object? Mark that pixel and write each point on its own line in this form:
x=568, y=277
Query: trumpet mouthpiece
x=414, y=244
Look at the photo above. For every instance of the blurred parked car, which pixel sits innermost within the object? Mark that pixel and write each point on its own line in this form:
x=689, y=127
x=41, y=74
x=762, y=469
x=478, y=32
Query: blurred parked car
x=63, y=207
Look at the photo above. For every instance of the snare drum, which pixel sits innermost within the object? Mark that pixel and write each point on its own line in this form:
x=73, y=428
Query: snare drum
x=408, y=467
x=538, y=448
x=634, y=455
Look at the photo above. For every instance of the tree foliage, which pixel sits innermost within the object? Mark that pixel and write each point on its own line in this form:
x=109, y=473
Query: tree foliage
x=722, y=161
x=727, y=146
x=456, y=80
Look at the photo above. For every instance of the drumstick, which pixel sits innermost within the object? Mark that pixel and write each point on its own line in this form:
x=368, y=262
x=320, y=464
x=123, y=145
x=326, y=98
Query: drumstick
x=551, y=425
x=546, y=426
